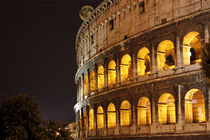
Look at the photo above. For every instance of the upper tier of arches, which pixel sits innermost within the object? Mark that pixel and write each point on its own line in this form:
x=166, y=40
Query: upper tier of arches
x=146, y=62
x=108, y=24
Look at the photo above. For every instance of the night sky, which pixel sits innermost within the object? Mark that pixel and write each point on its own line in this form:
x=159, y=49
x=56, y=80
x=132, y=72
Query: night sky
x=37, y=52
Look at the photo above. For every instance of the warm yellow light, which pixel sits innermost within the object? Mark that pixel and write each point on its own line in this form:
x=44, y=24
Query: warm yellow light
x=195, y=106
x=166, y=109
x=125, y=67
x=111, y=72
x=143, y=61
x=100, y=77
x=125, y=113
x=86, y=84
x=92, y=81
x=100, y=117
x=143, y=112
x=165, y=55
x=91, y=119
x=111, y=116
x=192, y=42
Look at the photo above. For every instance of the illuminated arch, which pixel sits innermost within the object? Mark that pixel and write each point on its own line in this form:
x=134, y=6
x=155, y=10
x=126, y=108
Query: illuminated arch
x=81, y=88
x=125, y=67
x=192, y=48
x=111, y=116
x=100, y=77
x=92, y=81
x=166, y=109
x=86, y=85
x=195, y=106
x=165, y=55
x=144, y=112
x=100, y=117
x=91, y=119
x=143, y=61
x=125, y=113
x=111, y=72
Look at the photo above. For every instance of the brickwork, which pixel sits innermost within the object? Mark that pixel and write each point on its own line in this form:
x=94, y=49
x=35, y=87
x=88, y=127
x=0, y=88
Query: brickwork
x=118, y=28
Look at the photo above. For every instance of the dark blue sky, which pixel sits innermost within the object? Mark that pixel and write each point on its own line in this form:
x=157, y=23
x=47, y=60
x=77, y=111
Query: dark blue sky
x=37, y=53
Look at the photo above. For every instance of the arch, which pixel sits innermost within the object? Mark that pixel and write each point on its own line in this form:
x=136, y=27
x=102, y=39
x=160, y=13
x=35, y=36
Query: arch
x=165, y=55
x=143, y=62
x=125, y=67
x=86, y=85
x=91, y=119
x=111, y=116
x=92, y=81
x=125, y=113
x=111, y=72
x=195, y=106
x=100, y=77
x=81, y=88
x=166, y=109
x=100, y=117
x=143, y=111
x=192, y=48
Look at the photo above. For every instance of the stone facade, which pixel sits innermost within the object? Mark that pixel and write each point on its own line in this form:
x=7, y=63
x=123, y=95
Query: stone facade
x=143, y=57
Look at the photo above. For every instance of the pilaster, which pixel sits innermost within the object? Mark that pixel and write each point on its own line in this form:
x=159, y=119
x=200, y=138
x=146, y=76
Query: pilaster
x=178, y=55
x=179, y=124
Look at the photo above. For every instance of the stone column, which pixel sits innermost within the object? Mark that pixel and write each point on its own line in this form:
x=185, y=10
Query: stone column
x=206, y=33
x=88, y=82
x=154, y=63
x=96, y=77
x=179, y=124
x=105, y=74
x=117, y=132
x=87, y=122
x=178, y=55
x=134, y=66
x=83, y=86
x=95, y=121
x=118, y=70
x=105, y=123
x=154, y=117
x=134, y=119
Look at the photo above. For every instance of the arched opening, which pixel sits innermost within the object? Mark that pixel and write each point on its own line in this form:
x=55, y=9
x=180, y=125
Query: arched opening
x=92, y=81
x=111, y=72
x=195, y=106
x=100, y=77
x=125, y=113
x=125, y=68
x=143, y=62
x=86, y=84
x=165, y=55
x=144, y=112
x=166, y=109
x=192, y=48
x=111, y=116
x=100, y=117
x=84, y=120
x=81, y=88
x=91, y=119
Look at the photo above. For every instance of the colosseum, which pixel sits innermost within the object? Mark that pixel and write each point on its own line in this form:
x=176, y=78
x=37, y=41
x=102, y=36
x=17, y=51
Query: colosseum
x=139, y=71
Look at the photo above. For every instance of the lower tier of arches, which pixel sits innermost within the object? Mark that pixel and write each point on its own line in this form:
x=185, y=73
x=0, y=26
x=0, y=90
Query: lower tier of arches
x=178, y=104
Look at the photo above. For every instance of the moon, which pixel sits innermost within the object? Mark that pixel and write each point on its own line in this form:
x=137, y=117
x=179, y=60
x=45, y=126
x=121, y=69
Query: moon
x=85, y=11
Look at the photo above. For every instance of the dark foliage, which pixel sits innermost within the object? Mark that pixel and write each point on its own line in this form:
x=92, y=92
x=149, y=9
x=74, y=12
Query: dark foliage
x=20, y=119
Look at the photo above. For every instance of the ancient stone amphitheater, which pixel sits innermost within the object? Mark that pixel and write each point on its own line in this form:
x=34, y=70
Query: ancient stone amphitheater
x=139, y=71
